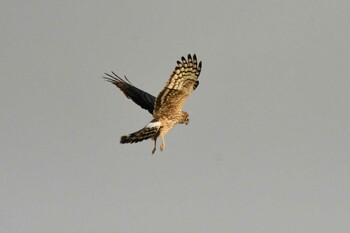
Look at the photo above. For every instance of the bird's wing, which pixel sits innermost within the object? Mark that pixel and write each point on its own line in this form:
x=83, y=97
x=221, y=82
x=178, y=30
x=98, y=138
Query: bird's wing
x=140, y=97
x=182, y=82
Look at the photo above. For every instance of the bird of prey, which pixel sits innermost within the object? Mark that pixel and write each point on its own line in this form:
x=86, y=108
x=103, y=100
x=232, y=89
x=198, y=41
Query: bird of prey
x=167, y=107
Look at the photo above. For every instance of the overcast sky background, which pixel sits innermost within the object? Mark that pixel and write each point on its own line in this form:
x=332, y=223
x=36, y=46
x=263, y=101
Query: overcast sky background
x=267, y=148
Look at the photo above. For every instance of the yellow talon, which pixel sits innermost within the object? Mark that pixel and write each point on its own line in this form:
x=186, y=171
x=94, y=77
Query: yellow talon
x=162, y=147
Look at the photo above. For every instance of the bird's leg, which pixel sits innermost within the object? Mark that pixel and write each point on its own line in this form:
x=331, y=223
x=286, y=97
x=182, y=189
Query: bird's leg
x=155, y=144
x=162, y=147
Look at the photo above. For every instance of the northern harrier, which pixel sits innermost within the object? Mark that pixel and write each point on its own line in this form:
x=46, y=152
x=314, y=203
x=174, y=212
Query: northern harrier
x=167, y=107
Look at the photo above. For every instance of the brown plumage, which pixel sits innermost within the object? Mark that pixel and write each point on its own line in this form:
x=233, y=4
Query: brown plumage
x=167, y=107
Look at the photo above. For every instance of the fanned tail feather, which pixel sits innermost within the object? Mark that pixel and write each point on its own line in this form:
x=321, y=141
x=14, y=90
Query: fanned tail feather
x=149, y=131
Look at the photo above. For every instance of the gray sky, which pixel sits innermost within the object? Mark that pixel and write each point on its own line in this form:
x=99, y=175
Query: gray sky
x=267, y=148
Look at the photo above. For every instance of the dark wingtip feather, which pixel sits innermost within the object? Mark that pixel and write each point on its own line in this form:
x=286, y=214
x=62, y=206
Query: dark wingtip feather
x=195, y=85
x=123, y=139
x=116, y=80
x=127, y=79
x=111, y=79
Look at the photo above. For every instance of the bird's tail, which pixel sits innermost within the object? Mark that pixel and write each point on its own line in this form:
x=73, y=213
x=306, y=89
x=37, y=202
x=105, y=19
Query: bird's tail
x=151, y=130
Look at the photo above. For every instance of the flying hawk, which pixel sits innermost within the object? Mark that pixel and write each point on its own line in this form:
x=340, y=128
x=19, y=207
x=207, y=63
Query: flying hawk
x=167, y=107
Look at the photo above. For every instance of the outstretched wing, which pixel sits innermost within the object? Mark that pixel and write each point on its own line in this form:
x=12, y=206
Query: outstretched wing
x=141, y=98
x=182, y=82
